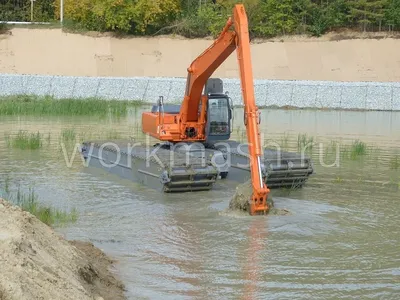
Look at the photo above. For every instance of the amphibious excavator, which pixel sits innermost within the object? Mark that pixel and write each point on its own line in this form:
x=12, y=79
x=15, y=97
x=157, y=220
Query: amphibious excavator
x=194, y=148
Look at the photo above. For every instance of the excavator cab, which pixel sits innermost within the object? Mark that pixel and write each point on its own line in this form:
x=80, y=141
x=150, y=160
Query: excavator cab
x=219, y=111
x=219, y=116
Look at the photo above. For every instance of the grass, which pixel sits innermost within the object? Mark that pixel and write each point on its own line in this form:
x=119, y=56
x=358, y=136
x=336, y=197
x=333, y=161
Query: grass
x=24, y=140
x=50, y=106
x=7, y=185
x=285, y=141
x=354, y=151
x=112, y=134
x=48, y=215
x=358, y=148
x=68, y=135
x=395, y=162
x=305, y=143
x=338, y=179
x=3, y=28
x=332, y=148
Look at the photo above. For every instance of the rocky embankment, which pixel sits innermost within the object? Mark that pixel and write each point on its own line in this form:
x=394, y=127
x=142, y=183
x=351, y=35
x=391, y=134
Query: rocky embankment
x=36, y=263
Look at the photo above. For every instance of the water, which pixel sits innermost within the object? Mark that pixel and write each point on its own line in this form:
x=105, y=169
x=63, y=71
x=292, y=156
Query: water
x=341, y=241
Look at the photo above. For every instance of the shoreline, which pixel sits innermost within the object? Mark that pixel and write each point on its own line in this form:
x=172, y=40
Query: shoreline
x=36, y=262
x=281, y=94
x=21, y=99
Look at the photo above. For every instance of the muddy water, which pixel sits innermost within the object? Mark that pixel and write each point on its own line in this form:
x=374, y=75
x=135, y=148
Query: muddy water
x=341, y=240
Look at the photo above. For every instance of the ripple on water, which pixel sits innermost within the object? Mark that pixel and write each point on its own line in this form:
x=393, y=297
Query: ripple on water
x=340, y=240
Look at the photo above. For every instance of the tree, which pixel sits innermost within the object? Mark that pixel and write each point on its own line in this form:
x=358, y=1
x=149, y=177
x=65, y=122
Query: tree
x=392, y=15
x=116, y=14
x=276, y=17
x=336, y=13
x=199, y=18
x=365, y=12
x=152, y=15
x=189, y=7
x=326, y=15
x=208, y=19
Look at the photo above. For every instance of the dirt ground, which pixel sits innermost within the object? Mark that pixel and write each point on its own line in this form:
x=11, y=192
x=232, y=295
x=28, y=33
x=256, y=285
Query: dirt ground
x=337, y=57
x=36, y=263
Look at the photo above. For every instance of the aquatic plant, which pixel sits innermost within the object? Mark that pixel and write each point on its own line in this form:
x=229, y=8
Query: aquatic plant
x=24, y=140
x=285, y=141
x=354, y=151
x=47, y=105
x=357, y=149
x=395, y=162
x=68, y=134
x=112, y=134
x=305, y=143
x=331, y=149
x=48, y=139
x=7, y=184
x=29, y=202
x=338, y=179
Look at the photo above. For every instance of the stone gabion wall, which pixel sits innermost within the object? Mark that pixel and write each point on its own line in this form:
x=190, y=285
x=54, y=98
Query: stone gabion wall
x=303, y=94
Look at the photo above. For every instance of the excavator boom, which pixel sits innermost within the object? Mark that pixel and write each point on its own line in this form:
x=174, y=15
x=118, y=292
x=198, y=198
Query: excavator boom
x=202, y=68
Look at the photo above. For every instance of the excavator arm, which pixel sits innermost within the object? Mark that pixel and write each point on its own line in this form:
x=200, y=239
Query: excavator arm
x=260, y=190
x=201, y=70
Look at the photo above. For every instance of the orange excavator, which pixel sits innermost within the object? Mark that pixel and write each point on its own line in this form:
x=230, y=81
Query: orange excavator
x=203, y=124
x=191, y=123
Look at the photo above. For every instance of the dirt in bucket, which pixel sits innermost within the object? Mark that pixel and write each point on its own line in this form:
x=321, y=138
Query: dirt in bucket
x=240, y=200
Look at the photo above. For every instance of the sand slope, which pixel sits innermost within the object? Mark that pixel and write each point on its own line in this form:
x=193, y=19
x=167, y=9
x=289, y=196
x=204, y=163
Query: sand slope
x=36, y=263
x=53, y=52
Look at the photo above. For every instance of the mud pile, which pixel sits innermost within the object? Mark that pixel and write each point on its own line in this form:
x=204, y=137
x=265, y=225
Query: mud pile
x=36, y=263
x=240, y=200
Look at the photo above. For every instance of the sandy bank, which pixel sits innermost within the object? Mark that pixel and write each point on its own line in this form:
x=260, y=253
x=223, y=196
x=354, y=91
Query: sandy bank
x=53, y=52
x=36, y=263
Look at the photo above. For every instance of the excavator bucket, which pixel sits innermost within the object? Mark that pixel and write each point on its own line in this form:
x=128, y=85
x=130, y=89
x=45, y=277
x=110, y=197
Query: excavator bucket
x=246, y=200
x=258, y=205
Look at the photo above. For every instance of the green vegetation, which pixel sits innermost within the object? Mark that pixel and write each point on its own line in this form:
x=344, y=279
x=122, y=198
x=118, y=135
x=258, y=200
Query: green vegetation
x=285, y=141
x=24, y=140
x=48, y=215
x=3, y=28
x=395, y=162
x=354, y=151
x=305, y=143
x=358, y=148
x=112, y=134
x=328, y=148
x=338, y=179
x=199, y=18
x=46, y=105
x=29, y=202
x=11, y=10
x=68, y=135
